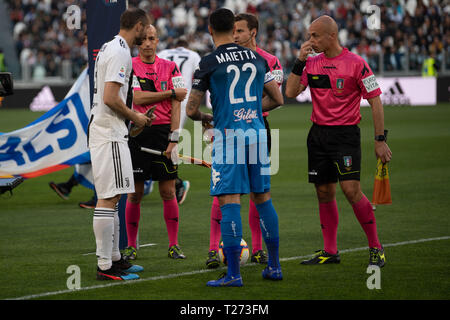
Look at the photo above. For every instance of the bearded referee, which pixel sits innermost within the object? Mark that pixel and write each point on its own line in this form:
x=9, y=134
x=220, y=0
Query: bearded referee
x=107, y=140
x=338, y=79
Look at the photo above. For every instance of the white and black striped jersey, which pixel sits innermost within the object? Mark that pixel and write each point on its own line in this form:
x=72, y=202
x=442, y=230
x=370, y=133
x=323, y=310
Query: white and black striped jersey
x=113, y=64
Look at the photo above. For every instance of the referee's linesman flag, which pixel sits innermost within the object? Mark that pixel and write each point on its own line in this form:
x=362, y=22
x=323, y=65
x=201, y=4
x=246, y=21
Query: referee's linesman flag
x=381, y=187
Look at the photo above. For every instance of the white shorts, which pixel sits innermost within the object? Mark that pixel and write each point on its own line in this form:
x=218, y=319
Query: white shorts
x=112, y=169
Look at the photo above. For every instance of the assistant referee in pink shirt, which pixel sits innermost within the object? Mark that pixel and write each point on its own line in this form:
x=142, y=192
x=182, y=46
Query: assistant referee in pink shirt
x=337, y=79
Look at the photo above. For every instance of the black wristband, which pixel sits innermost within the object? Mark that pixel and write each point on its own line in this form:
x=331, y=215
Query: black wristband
x=298, y=67
x=174, y=95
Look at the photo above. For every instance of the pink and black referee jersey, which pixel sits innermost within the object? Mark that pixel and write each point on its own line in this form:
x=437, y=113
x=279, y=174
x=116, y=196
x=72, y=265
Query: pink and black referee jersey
x=275, y=68
x=161, y=75
x=337, y=85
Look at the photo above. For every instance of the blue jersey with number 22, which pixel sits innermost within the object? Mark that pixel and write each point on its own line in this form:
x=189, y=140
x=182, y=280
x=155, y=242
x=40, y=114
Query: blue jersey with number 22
x=235, y=77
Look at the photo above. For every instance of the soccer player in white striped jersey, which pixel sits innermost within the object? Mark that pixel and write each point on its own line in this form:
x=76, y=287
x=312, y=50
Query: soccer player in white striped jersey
x=107, y=140
x=187, y=61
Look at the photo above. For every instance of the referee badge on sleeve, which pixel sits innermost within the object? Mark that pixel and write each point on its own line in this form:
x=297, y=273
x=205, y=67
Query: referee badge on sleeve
x=163, y=85
x=178, y=82
x=370, y=83
x=136, y=84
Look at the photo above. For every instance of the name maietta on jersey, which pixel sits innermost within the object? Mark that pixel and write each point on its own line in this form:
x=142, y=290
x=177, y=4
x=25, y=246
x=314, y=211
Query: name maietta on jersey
x=235, y=55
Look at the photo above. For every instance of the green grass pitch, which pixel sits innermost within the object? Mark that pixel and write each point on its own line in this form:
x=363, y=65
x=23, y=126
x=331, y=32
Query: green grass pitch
x=42, y=235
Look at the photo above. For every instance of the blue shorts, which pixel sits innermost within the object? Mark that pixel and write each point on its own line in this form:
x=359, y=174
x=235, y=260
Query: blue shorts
x=245, y=171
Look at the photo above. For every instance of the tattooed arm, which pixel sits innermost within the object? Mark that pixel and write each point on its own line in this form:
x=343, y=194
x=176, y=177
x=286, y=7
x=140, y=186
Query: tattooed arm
x=193, y=105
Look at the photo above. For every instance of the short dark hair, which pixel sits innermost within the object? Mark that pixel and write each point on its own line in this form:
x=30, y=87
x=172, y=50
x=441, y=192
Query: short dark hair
x=182, y=42
x=252, y=20
x=222, y=20
x=133, y=16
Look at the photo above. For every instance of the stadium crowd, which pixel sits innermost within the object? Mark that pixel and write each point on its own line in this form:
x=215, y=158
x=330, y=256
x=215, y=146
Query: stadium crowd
x=410, y=30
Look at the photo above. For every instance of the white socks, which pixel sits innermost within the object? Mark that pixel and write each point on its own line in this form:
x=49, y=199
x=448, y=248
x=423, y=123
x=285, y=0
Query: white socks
x=116, y=238
x=106, y=230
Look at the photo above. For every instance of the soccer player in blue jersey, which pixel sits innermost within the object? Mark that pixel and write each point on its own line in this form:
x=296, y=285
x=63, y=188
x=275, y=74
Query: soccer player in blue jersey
x=236, y=78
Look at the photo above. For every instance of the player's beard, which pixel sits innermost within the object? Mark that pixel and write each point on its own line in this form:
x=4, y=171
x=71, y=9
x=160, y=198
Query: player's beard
x=138, y=40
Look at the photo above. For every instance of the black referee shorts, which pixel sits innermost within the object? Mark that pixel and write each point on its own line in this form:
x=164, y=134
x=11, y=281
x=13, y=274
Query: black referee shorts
x=334, y=153
x=269, y=136
x=149, y=166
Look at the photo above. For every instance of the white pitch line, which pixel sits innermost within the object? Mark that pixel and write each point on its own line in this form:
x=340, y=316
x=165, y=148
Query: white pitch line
x=146, y=245
x=176, y=275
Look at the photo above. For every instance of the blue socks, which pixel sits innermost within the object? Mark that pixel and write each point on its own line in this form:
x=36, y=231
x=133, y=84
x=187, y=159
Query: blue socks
x=233, y=262
x=231, y=229
x=269, y=227
x=231, y=225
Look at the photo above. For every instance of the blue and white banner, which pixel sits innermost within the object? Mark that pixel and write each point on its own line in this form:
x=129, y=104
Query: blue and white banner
x=56, y=140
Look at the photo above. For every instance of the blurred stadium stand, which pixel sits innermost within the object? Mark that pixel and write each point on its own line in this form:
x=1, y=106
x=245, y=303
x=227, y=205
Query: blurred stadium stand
x=41, y=49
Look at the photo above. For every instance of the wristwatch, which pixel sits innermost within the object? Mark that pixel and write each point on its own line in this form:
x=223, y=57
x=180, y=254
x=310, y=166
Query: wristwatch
x=381, y=137
x=174, y=95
